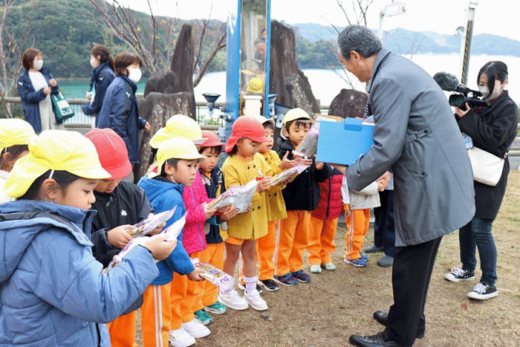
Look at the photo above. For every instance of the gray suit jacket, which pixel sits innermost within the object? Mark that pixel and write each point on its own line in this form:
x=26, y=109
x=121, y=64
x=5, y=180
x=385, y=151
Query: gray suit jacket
x=416, y=137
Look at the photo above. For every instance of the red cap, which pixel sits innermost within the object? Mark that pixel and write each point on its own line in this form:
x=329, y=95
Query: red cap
x=247, y=127
x=112, y=152
x=212, y=139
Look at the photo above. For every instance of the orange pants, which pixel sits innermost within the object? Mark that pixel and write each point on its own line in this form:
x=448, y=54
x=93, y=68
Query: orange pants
x=321, y=240
x=357, y=224
x=156, y=316
x=292, y=242
x=185, y=298
x=122, y=330
x=214, y=255
x=265, y=248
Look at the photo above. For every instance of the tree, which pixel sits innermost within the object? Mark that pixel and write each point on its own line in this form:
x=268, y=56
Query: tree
x=10, y=55
x=144, y=36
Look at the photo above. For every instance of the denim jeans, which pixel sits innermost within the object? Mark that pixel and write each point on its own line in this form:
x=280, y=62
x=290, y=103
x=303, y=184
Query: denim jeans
x=477, y=234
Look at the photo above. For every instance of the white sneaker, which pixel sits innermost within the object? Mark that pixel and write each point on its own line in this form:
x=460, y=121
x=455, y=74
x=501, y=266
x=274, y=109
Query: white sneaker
x=180, y=338
x=329, y=266
x=315, y=269
x=196, y=329
x=233, y=301
x=255, y=300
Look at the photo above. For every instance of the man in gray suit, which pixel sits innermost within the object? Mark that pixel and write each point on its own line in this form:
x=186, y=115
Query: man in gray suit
x=415, y=137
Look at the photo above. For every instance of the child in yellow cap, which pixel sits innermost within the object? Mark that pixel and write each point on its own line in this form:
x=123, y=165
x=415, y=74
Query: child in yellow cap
x=61, y=293
x=178, y=159
x=14, y=137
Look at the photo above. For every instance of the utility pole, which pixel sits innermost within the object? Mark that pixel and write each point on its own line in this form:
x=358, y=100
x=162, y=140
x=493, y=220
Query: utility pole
x=465, y=49
x=394, y=9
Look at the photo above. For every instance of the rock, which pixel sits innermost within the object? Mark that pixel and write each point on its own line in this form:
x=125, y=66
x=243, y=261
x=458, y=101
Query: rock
x=302, y=94
x=314, y=328
x=282, y=65
x=182, y=62
x=359, y=293
x=348, y=103
x=157, y=108
x=270, y=319
x=163, y=81
x=264, y=315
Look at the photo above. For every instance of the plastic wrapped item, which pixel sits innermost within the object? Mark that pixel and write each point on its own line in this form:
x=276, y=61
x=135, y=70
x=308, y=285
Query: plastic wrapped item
x=238, y=196
x=285, y=175
x=222, y=201
x=222, y=280
x=308, y=146
x=150, y=224
x=172, y=232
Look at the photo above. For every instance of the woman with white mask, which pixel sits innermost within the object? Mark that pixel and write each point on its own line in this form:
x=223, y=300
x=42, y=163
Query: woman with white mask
x=119, y=111
x=492, y=128
x=35, y=86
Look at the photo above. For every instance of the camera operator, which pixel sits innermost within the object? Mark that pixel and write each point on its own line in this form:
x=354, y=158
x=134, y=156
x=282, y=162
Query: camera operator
x=493, y=129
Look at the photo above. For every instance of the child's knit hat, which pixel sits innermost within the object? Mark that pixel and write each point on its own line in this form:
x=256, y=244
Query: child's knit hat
x=245, y=127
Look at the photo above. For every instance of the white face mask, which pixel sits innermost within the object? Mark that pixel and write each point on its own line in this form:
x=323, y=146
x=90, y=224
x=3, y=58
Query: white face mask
x=484, y=90
x=134, y=75
x=38, y=64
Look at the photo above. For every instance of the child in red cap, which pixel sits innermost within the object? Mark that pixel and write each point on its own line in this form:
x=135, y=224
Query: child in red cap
x=119, y=205
x=242, y=166
x=214, y=253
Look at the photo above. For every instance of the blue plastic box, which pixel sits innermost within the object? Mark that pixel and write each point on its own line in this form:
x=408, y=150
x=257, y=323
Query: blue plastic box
x=343, y=143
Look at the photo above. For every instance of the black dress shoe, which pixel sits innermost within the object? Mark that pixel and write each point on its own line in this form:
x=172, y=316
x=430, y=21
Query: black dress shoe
x=382, y=318
x=378, y=340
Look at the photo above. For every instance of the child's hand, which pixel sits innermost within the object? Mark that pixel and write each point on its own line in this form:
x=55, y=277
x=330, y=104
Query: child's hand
x=159, y=247
x=346, y=214
x=118, y=237
x=230, y=213
x=319, y=164
x=264, y=184
x=195, y=275
x=208, y=212
x=286, y=164
x=299, y=160
x=249, y=208
x=381, y=185
x=340, y=168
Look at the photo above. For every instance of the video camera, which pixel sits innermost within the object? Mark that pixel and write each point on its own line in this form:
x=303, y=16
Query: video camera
x=450, y=83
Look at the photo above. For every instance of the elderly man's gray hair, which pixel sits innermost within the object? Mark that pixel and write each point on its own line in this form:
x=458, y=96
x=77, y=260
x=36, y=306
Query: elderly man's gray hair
x=360, y=39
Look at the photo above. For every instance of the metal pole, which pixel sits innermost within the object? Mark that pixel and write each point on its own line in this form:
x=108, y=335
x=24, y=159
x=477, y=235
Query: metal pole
x=467, y=43
x=380, y=30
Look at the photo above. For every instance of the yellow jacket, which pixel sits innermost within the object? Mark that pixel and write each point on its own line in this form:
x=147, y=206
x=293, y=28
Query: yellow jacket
x=238, y=172
x=276, y=204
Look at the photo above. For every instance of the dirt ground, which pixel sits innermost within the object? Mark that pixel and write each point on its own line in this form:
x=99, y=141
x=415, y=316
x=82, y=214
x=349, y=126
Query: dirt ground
x=340, y=303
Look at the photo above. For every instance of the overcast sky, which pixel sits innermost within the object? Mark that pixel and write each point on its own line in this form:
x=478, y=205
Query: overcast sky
x=498, y=17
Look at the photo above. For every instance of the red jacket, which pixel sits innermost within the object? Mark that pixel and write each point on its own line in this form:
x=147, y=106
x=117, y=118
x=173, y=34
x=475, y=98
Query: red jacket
x=194, y=239
x=330, y=205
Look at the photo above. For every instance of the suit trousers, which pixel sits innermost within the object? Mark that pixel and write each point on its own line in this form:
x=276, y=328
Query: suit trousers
x=411, y=275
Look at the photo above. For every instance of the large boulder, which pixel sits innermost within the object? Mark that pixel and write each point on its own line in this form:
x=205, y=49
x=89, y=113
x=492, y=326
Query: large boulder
x=349, y=103
x=157, y=108
x=283, y=65
x=183, y=60
x=163, y=81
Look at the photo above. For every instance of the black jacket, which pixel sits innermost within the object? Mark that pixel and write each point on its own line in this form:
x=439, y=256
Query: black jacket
x=303, y=194
x=100, y=79
x=127, y=204
x=493, y=128
x=212, y=183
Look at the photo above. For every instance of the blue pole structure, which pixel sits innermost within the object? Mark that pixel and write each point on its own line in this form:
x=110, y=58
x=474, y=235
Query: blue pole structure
x=267, y=60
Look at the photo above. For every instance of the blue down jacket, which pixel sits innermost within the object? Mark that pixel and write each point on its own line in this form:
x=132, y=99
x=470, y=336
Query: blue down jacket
x=120, y=113
x=52, y=290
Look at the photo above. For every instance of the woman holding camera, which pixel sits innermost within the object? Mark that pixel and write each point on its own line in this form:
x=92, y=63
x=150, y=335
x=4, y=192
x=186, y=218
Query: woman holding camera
x=493, y=129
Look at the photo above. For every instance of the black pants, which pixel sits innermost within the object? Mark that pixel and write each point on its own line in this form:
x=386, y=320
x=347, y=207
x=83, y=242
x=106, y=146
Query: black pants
x=384, y=227
x=411, y=275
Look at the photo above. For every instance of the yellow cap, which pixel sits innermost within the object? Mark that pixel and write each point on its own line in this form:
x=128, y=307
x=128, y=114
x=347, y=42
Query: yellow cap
x=294, y=114
x=15, y=132
x=263, y=119
x=177, y=148
x=178, y=126
x=58, y=150
x=256, y=86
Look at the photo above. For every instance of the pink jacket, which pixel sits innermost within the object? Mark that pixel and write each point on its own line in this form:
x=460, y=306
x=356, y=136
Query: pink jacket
x=194, y=239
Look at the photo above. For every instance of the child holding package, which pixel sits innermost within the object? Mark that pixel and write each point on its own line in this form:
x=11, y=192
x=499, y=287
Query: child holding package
x=324, y=221
x=119, y=205
x=61, y=293
x=214, y=253
x=357, y=217
x=242, y=166
x=14, y=137
x=177, y=159
x=301, y=196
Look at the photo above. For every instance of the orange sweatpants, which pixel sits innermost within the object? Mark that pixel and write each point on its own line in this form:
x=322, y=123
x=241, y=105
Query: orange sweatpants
x=357, y=225
x=292, y=242
x=265, y=248
x=122, y=330
x=156, y=316
x=185, y=298
x=321, y=240
x=214, y=255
